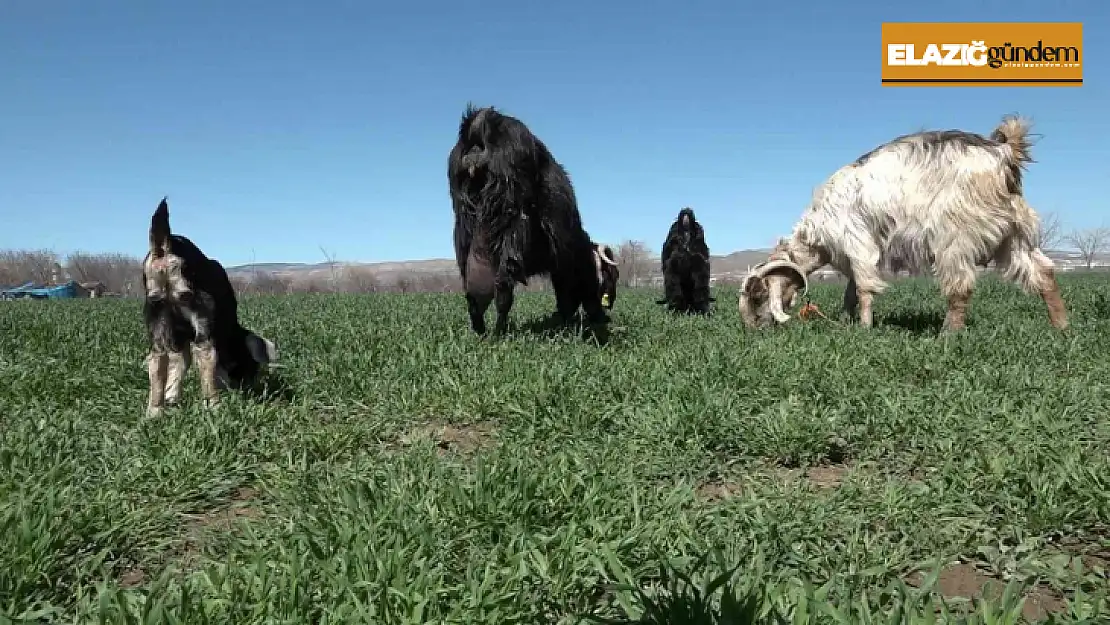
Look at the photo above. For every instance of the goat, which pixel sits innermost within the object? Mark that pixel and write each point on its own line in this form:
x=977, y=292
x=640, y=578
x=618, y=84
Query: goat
x=685, y=264
x=516, y=216
x=950, y=199
x=608, y=274
x=190, y=306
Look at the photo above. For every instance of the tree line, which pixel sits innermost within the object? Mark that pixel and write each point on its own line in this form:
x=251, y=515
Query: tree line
x=119, y=274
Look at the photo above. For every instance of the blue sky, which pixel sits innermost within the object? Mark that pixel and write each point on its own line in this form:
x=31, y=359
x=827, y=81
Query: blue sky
x=278, y=127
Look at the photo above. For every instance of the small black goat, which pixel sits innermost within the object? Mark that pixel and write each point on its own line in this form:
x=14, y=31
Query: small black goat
x=608, y=273
x=685, y=260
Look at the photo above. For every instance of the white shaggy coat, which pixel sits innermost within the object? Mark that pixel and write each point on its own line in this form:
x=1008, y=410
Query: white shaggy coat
x=950, y=199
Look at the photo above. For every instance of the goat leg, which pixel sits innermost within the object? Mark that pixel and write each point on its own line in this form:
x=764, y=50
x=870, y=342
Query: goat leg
x=956, y=317
x=1057, y=311
x=157, y=362
x=850, y=308
x=205, y=355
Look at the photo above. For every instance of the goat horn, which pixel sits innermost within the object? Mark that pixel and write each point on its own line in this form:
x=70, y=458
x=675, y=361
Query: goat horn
x=778, y=266
x=604, y=251
x=775, y=305
x=793, y=272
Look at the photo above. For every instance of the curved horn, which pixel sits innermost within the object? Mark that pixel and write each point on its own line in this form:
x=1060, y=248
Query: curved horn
x=605, y=253
x=793, y=273
x=786, y=268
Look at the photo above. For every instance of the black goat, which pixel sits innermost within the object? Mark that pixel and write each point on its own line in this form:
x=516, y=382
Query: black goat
x=685, y=260
x=606, y=261
x=516, y=216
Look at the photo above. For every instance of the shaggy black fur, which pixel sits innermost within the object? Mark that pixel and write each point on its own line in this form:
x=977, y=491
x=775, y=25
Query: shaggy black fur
x=516, y=216
x=686, y=266
x=208, y=296
x=610, y=275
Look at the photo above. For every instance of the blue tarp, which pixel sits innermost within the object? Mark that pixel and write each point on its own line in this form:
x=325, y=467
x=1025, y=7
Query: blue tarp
x=61, y=291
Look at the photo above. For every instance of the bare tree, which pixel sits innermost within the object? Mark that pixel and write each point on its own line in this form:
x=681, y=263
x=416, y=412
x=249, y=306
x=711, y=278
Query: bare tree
x=18, y=267
x=360, y=280
x=439, y=283
x=240, y=284
x=116, y=272
x=633, y=262
x=268, y=283
x=1051, y=231
x=333, y=268
x=1090, y=243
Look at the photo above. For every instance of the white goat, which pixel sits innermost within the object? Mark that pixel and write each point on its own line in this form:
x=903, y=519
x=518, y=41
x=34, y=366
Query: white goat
x=951, y=199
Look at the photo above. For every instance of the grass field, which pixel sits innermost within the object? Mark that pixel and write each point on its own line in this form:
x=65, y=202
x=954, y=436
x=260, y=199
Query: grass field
x=411, y=473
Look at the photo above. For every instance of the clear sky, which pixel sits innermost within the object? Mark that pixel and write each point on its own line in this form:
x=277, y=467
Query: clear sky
x=277, y=127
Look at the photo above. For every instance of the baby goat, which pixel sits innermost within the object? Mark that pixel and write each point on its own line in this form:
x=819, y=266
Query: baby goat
x=190, y=306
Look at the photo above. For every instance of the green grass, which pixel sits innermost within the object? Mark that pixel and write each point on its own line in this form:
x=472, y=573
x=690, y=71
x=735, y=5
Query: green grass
x=825, y=466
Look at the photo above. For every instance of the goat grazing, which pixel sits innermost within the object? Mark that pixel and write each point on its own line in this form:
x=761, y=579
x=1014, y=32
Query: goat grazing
x=608, y=274
x=685, y=262
x=951, y=199
x=516, y=216
x=190, y=306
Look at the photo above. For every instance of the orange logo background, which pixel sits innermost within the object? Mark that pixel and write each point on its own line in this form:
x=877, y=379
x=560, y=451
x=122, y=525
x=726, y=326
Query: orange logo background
x=979, y=54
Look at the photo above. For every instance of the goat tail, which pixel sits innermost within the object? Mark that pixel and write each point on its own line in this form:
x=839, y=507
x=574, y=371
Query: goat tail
x=1027, y=265
x=1014, y=132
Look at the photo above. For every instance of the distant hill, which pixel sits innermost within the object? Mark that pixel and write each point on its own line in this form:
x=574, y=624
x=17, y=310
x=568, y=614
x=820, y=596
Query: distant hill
x=386, y=271
x=736, y=262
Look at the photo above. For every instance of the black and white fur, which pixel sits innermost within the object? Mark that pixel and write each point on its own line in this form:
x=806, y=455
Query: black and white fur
x=190, y=306
x=607, y=273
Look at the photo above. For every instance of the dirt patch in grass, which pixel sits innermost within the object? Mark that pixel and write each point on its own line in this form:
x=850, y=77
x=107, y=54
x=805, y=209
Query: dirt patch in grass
x=454, y=438
x=1042, y=601
x=716, y=487
x=716, y=490
x=132, y=577
x=1099, y=561
x=1093, y=552
x=829, y=476
x=202, y=528
x=222, y=519
x=198, y=531
x=824, y=477
x=963, y=580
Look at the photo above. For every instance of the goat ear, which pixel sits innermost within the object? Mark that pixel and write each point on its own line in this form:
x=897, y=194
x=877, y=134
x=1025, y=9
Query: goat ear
x=262, y=350
x=160, y=230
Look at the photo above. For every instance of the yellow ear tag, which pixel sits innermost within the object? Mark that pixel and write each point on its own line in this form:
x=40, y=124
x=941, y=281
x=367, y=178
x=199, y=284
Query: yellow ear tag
x=604, y=299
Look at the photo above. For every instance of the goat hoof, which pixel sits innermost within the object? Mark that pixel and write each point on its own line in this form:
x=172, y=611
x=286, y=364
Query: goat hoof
x=154, y=411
